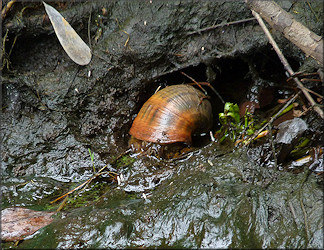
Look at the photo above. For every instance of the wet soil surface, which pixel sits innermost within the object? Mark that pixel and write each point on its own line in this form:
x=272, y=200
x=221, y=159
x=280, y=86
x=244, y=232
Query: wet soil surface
x=54, y=111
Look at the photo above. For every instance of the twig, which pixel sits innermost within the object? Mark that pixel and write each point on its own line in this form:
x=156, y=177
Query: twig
x=183, y=73
x=206, y=83
x=310, y=80
x=305, y=217
x=293, y=212
x=62, y=204
x=4, y=50
x=304, y=112
x=89, y=23
x=71, y=191
x=273, y=147
x=297, y=33
x=313, y=92
x=82, y=185
x=318, y=20
x=6, y=9
x=120, y=28
x=221, y=25
x=4, y=56
x=13, y=44
x=287, y=66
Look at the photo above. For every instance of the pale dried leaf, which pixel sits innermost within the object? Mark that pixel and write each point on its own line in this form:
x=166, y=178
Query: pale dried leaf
x=17, y=223
x=71, y=42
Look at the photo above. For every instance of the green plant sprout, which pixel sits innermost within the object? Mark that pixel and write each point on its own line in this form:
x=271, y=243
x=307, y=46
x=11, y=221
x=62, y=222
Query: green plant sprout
x=92, y=160
x=233, y=125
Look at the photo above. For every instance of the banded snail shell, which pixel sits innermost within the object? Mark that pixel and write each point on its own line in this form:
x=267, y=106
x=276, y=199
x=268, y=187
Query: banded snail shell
x=173, y=114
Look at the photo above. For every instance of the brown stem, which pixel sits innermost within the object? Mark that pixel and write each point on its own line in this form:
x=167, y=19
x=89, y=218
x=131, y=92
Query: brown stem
x=204, y=83
x=221, y=25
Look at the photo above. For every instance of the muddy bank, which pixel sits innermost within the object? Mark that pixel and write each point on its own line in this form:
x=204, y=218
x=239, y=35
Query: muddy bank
x=54, y=111
x=136, y=46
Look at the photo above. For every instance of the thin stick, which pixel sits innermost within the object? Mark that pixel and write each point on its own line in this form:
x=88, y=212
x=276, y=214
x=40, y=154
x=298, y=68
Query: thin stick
x=81, y=185
x=206, y=83
x=310, y=80
x=89, y=23
x=91, y=178
x=304, y=112
x=273, y=147
x=194, y=82
x=287, y=66
x=313, y=11
x=314, y=93
x=305, y=217
x=6, y=9
x=3, y=49
x=71, y=191
x=62, y=204
x=293, y=212
x=221, y=25
x=13, y=44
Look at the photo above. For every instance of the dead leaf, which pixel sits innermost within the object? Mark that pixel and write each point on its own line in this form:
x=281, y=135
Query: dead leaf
x=71, y=42
x=297, y=113
x=17, y=223
x=250, y=106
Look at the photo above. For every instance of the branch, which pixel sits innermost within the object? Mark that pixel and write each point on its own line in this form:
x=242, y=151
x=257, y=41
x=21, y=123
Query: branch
x=286, y=64
x=310, y=43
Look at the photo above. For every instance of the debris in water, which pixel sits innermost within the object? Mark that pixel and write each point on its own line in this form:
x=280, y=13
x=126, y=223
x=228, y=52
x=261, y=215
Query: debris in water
x=17, y=222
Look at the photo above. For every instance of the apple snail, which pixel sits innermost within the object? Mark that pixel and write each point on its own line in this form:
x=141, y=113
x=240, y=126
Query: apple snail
x=173, y=114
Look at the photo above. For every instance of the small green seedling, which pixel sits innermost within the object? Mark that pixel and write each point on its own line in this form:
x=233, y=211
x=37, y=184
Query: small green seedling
x=232, y=124
x=92, y=160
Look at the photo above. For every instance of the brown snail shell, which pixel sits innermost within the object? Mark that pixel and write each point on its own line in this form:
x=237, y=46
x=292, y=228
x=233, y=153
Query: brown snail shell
x=173, y=114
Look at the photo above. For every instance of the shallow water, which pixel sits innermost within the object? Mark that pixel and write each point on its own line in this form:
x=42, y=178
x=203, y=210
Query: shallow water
x=203, y=201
